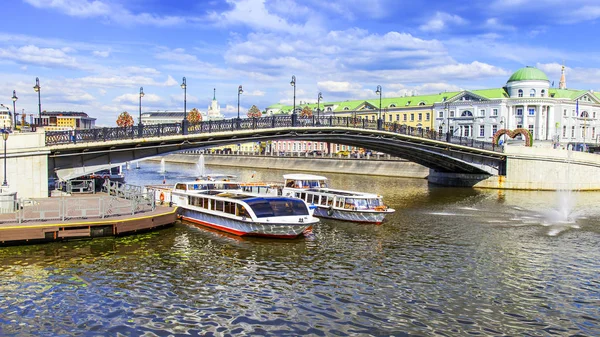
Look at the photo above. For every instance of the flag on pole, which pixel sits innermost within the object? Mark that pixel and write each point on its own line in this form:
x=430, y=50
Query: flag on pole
x=577, y=107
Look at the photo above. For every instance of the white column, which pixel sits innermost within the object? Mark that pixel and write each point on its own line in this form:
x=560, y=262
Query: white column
x=537, y=127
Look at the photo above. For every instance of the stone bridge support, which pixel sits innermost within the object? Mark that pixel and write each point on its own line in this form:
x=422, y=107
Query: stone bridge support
x=26, y=164
x=530, y=168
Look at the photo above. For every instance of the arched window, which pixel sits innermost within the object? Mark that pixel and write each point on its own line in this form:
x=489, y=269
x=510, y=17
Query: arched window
x=466, y=113
x=421, y=103
x=346, y=108
x=532, y=93
x=520, y=93
x=392, y=105
x=585, y=114
x=329, y=109
x=543, y=93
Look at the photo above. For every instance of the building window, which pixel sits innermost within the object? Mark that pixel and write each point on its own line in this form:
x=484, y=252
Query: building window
x=565, y=112
x=440, y=114
x=404, y=117
x=452, y=130
x=531, y=129
x=532, y=93
x=564, y=131
x=593, y=133
x=452, y=113
x=573, y=131
x=392, y=105
x=427, y=115
x=440, y=130
x=519, y=111
x=412, y=117
x=520, y=93
x=594, y=114
x=519, y=126
x=397, y=117
x=494, y=129
x=420, y=117
x=531, y=111
x=481, y=130
x=543, y=93
x=466, y=113
x=573, y=113
x=494, y=112
x=482, y=113
x=467, y=131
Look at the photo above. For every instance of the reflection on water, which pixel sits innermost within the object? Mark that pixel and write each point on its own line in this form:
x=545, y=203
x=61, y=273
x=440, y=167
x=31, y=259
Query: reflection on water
x=449, y=262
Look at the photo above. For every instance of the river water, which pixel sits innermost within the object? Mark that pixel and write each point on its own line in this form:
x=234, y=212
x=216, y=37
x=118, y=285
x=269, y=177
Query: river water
x=449, y=262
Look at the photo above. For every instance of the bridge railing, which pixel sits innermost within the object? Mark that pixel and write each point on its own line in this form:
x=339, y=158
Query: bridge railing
x=131, y=132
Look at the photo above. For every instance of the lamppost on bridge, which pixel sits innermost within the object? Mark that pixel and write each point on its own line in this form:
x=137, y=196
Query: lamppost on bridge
x=379, y=121
x=14, y=99
x=184, y=122
x=447, y=111
x=37, y=89
x=141, y=95
x=319, y=98
x=5, y=137
x=293, y=84
x=240, y=91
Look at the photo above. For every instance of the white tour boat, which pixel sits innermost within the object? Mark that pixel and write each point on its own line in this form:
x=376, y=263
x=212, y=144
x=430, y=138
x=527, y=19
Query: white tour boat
x=224, y=206
x=336, y=204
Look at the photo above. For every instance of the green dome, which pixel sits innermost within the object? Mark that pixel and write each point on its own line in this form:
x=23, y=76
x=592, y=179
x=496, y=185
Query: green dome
x=528, y=74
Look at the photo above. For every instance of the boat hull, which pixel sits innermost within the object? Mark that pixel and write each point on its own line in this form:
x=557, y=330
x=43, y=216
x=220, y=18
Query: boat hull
x=354, y=216
x=244, y=228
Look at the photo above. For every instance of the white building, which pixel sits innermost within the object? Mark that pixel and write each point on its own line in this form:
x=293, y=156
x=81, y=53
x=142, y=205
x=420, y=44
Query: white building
x=168, y=117
x=527, y=101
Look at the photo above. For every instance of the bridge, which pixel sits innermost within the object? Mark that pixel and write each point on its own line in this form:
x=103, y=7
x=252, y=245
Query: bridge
x=118, y=145
x=452, y=160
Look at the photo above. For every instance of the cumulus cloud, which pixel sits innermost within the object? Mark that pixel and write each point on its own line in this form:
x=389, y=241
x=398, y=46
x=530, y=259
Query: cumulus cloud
x=98, y=53
x=135, y=98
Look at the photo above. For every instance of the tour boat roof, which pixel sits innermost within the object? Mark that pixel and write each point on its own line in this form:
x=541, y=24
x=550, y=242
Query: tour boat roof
x=216, y=176
x=302, y=176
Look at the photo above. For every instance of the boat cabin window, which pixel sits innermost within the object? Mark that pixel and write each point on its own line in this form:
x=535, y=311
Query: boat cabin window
x=265, y=207
x=242, y=211
x=182, y=187
x=340, y=202
x=374, y=203
x=231, y=186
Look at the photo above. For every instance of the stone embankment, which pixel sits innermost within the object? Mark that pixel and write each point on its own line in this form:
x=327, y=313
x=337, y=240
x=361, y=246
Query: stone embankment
x=383, y=166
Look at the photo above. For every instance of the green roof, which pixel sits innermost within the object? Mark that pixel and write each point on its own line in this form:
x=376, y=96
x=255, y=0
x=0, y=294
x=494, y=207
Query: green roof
x=528, y=74
x=566, y=93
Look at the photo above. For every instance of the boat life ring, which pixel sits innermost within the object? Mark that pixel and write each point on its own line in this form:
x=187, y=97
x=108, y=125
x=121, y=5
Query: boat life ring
x=162, y=197
x=330, y=211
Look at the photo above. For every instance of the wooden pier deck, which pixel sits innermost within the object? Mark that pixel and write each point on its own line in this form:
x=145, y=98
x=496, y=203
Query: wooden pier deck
x=88, y=225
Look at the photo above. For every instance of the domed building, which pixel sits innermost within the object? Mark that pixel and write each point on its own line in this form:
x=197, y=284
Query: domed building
x=527, y=101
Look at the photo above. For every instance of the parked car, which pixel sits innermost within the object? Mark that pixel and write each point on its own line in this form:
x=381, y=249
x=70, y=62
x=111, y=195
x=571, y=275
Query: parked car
x=316, y=153
x=344, y=153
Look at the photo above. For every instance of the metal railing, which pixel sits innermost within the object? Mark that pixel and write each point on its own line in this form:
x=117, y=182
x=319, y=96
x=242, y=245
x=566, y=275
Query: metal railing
x=172, y=129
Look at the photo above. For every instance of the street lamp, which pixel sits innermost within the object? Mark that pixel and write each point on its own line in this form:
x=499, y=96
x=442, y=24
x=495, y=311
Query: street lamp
x=184, y=87
x=37, y=89
x=141, y=95
x=379, y=122
x=293, y=83
x=448, y=119
x=240, y=91
x=184, y=122
x=319, y=98
x=5, y=137
x=14, y=99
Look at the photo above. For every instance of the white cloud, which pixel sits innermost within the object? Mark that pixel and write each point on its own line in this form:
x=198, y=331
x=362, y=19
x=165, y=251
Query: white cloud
x=98, y=53
x=333, y=86
x=135, y=98
x=107, y=10
x=46, y=57
x=442, y=21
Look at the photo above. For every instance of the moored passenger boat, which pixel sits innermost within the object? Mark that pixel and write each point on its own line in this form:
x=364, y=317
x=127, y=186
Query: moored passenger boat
x=333, y=203
x=239, y=213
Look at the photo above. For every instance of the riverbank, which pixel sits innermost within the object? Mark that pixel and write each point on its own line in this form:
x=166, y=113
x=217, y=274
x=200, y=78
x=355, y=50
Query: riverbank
x=318, y=164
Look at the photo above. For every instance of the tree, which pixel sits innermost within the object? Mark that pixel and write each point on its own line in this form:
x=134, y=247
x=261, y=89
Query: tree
x=125, y=119
x=194, y=116
x=254, y=112
x=306, y=112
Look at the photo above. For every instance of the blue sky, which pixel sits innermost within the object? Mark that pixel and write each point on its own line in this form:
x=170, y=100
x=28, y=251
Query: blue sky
x=94, y=55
